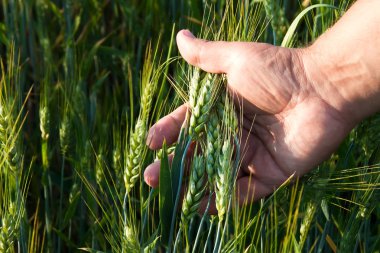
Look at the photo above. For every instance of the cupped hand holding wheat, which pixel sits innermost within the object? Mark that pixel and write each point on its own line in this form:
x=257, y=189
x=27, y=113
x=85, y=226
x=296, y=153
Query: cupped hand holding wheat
x=297, y=104
x=289, y=133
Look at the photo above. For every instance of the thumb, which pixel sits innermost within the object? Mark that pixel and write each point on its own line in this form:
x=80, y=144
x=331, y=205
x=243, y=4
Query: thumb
x=211, y=56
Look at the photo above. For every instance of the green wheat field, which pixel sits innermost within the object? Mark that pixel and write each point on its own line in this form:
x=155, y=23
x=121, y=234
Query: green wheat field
x=81, y=83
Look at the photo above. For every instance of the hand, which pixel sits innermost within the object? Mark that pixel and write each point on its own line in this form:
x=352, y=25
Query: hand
x=294, y=128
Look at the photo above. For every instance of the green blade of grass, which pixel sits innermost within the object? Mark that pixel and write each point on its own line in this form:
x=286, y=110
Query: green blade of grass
x=166, y=201
x=286, y=42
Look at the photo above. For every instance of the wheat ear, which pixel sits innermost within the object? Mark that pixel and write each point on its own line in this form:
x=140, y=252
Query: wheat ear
x=223, y=178
x=8, y=229
x=201, y=110
x=213, y=147
x=133, y=161
x=195, y=189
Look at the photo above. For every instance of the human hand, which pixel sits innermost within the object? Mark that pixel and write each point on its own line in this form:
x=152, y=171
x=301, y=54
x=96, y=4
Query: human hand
x=294, y=128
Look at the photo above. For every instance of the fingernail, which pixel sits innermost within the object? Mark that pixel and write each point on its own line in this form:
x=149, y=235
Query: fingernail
x=187, y=33
x=149, y=177
x=150, y=135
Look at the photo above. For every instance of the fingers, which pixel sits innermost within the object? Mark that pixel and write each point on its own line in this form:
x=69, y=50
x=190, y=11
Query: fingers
x=167, y=128
x=211, y=56
x=152, y=172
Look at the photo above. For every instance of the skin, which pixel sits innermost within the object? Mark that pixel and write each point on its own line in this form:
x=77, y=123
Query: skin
x=303, y=102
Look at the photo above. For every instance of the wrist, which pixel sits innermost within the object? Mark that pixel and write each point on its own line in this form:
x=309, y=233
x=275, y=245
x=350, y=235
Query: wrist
x=343, y=65
x=343, y=80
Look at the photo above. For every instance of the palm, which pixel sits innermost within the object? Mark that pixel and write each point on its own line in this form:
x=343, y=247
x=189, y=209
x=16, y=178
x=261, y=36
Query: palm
x=287, y=128
x=292, y=141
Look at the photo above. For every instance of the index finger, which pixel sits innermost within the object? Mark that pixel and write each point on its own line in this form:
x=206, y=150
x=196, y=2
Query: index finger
x=167, y=128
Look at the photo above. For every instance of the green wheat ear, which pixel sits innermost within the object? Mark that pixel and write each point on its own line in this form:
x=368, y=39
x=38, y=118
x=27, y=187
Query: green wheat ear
x=136, y=146
x=278, y=20
x=195, y=189
x=9, y=227
x=223, y=178
x=133, y=162
x=213, y=147
x=130, y=242
x=64, y=134
x=7, y=140
x=194, y=88
x=204, y=101
x=306, y=223
x=199, y=114
x=44, y=122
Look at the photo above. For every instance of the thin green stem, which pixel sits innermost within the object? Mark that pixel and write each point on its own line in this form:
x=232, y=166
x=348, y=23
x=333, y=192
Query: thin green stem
x=46, y=182
x=197, y=238
x=218, y=237
x=145, y=217
x=61, y=202
x=177, y=239
x=208, y=239
x=174, y=215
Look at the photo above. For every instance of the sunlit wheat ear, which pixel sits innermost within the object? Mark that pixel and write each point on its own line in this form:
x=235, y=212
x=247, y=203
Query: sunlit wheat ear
x=3, y=121
x=204, y=102
x=8, y=228
x=4, y=126
x=133, y=160
x=117, y=161
x=132, y=167
x=195, y=189
x=74, y=192
x=99, y=168
x=130, y=241
x=136, y=146
x=7, y=141
x=64, y=135
x=307, y=221
x=116, y=158
x=44, y=123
